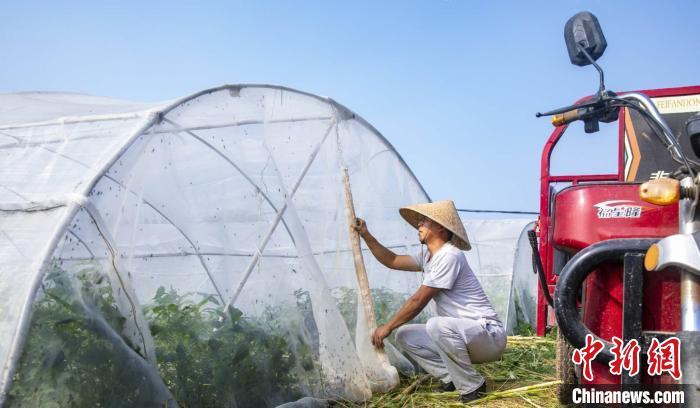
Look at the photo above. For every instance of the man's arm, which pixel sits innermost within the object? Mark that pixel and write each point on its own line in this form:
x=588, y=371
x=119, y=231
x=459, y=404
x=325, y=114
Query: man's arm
x=408, y=311
x=385, y=256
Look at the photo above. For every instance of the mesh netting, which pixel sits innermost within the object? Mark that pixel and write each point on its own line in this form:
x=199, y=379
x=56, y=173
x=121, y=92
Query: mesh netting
x=196, y=253
x=501, y=258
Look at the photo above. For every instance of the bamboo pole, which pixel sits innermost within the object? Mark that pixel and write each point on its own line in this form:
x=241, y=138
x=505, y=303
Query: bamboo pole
x=360, y=271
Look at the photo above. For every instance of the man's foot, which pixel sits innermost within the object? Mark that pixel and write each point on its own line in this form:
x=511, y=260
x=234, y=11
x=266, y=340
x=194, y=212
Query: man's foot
x=447, y=387
x=476, y=394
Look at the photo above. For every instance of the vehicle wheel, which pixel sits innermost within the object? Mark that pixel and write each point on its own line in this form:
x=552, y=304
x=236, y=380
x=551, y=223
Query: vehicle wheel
x=565, y=369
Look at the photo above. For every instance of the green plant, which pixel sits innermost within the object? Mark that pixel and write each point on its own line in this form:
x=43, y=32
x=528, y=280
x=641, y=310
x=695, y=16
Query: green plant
x=524, y=329
x=386, y=302
x=74, y=356
x=210, y=359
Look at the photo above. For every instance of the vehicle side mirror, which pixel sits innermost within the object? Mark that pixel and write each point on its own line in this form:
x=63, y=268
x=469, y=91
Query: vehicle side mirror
x=692, y=127
x=583, y=30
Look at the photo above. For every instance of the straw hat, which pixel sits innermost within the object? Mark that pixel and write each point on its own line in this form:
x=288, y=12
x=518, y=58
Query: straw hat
x=443, y=213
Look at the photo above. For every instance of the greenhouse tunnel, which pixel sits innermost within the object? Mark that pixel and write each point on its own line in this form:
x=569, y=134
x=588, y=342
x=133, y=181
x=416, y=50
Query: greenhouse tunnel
x=193, y=252
x=196, y=252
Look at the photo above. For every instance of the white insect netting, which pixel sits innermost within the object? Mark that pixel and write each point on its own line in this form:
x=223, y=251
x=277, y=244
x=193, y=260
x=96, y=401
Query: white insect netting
x=194, y=252
x=525, y=283
x=197, y=253
x=501, y=258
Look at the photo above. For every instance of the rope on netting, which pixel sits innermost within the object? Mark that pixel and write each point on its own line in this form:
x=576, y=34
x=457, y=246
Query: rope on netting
x=46, y=204
x=125, y=286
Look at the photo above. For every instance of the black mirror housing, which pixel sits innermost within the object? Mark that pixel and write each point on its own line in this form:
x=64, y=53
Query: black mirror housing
x=584, y=30
x=692, y=127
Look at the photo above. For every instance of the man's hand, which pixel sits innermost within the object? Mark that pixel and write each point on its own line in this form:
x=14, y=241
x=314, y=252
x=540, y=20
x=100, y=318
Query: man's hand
x=379, y=335
x=408, y=311
x=383, y=255
x=361, y=227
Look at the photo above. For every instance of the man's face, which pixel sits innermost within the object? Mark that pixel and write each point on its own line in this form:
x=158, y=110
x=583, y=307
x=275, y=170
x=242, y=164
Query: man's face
x=424, y=229
x=428, y=228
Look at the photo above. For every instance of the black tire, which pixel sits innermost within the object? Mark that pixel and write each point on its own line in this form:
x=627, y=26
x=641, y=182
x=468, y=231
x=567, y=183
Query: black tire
x=565, y=369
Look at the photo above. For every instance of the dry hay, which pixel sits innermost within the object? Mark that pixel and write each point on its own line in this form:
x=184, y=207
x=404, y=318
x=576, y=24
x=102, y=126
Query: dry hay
x=524, y=377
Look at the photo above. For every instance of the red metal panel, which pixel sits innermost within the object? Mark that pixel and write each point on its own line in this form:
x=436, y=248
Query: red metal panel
x=578, y=224
x=584, y=178
x=543, y=225
x=602, y=312
x=581, y=218
x=680, y=91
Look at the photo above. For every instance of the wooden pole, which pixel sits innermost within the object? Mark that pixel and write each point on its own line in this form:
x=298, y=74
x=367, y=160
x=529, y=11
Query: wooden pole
x=360, y=271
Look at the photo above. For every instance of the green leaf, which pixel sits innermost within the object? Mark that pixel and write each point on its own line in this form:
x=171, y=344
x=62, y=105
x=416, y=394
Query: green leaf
x=234, y=314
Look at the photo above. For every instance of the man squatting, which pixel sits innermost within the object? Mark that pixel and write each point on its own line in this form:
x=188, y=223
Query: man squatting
x=465, y=328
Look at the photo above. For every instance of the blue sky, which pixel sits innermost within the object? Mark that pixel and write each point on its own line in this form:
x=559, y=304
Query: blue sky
x=453, y=85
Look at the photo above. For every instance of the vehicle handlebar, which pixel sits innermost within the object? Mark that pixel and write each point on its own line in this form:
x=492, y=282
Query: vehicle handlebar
x=568, y=117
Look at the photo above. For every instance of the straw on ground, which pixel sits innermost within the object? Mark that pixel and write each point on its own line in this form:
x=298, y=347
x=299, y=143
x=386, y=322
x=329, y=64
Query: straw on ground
x=524, y=376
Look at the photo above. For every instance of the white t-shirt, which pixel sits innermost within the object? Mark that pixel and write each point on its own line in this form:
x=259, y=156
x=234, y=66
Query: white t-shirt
x=462, y=295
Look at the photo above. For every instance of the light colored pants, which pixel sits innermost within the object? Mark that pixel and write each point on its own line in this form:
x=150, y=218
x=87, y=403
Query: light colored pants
x=446, y=347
